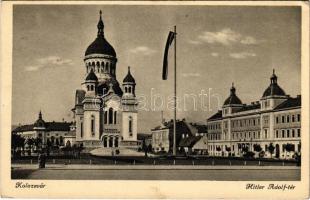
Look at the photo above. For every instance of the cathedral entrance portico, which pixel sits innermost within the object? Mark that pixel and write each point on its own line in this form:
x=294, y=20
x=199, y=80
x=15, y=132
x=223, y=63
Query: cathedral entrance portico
x=110, y=141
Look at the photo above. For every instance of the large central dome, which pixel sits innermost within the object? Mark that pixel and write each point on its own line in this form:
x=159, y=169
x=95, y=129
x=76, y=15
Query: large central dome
x=100, y=45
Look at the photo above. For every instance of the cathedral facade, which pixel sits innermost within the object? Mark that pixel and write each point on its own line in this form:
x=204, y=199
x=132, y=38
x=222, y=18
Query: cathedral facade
x=105, y=112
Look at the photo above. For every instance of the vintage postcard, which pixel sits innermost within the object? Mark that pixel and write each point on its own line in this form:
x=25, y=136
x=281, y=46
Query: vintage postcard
x=155, y=99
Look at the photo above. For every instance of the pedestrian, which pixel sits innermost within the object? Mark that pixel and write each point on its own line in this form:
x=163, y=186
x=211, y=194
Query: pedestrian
x=41, y=160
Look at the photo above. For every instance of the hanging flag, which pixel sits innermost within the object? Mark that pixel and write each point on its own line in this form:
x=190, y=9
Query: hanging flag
x=165, y=63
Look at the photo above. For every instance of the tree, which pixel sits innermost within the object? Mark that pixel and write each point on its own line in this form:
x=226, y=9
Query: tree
x=30, y=143
x=257, y=148
x=38, y=142
x=289, y=147
x=228, y=149
x=17, y=142
x=245, y=149
x=48, y=146
x=271, y=149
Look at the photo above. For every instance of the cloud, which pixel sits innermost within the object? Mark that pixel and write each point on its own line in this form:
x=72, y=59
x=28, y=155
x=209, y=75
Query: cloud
x=225, y=37
x=242, y=55
x=249, y=40
x=214, y=54
x=50, y=61
x=146, y=51
x=194, y=42
x=191, y=74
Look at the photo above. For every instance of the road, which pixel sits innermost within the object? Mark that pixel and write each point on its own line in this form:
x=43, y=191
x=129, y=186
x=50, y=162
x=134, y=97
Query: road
x=160, y=174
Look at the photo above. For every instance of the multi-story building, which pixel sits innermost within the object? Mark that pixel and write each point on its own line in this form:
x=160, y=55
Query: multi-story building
x=55, y=133
x=187, y=136
x=274, y=120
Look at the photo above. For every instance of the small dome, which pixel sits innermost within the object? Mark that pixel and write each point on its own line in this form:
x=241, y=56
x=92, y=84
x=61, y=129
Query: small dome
x=232, y=99
x=274, y=88
x=91, y=76
x=40, y=122
x=129, y=78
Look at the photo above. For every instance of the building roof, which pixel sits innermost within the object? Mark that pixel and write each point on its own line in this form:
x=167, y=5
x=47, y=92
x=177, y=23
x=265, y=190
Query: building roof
x=189, y=141
x=50, y=126
x=105, y=86
x=24, y=128
x=290, y=103
x=217, y=115
x=100, y=45
x=129, y=78
x=200, y=127
x=58, y=126
x=250, y=107
x=274, y=88
x=232, y=99
x=143, y=136
x=91, y=76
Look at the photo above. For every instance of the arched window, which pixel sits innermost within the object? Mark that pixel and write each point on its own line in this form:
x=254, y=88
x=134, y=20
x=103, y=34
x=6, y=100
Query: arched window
x=130, y=126
x=81, y=129
x=115, y=117
x=105, y=142
x=108, y=68
x=92, y=125
x=125, y=89
x=129, y=89
x=110, y=115
x=116, y=142
x=105, y=117
x=87, y=87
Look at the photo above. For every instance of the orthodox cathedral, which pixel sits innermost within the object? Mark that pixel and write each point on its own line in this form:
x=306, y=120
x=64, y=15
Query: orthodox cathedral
x=105, y=112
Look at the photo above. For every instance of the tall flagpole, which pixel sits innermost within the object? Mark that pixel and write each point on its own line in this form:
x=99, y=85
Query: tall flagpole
x=175, y=92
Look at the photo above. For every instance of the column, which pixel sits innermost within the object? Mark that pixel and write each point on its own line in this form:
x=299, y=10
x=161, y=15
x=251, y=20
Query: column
x=113, y=143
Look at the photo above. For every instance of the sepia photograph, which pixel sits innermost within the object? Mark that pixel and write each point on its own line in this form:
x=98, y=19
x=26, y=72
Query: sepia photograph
x=158, y=92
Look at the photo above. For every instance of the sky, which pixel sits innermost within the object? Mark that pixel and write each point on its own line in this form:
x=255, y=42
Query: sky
x=216, y=46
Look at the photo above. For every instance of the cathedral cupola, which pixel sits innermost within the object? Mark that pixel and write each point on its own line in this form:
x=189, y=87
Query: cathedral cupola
x=129, y=84
x=100, y=55
x=100, y=45
x=91, y=83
